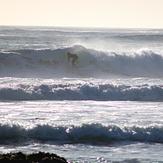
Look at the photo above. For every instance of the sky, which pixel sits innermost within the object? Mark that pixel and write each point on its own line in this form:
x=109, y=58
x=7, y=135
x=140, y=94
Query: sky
x=83, y=13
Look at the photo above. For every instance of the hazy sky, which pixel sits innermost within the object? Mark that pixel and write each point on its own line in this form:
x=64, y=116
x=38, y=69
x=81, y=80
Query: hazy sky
x=85, y=13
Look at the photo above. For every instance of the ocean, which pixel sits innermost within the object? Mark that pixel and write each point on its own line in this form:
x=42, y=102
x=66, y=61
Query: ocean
x=106, y=107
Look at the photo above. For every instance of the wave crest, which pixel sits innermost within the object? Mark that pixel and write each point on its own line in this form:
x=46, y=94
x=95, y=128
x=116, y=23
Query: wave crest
x=91, y=63
x=82, y=91
x=86, y=133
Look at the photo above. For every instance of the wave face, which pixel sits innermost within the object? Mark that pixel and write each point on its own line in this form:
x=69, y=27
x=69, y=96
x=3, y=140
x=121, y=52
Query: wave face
x=91, y=63
x=86, y=133
x=82, y=91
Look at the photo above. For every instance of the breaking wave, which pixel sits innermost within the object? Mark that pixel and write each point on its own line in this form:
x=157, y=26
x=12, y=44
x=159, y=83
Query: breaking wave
x=81, y=91
x=86, y=133
x=91, y=63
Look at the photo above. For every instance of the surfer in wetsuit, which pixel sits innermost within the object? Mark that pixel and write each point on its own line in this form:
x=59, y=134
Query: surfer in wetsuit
x=73, y=58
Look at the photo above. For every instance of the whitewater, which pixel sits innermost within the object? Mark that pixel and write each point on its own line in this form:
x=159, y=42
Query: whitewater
x=105, y=108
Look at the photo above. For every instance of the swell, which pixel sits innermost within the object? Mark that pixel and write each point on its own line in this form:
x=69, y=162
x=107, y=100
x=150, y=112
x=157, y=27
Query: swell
x=82, y=91
x=91, y=63
x=141, y=37
x=86, y=133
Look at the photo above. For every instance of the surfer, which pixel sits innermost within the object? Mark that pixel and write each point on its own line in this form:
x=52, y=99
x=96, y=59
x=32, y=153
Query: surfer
x=73, y=58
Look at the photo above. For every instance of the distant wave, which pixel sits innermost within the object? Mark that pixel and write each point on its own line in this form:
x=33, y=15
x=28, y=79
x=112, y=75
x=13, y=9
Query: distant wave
x=91, y=63
x=86, y=133
x=82, y=91
x=141, y=37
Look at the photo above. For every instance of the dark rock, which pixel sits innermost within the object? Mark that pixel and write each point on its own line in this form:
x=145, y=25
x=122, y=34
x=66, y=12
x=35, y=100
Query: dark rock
x=40, y=157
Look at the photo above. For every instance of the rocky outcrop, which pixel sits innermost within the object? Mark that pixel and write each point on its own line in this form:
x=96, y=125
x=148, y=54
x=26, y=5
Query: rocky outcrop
x=40, y=157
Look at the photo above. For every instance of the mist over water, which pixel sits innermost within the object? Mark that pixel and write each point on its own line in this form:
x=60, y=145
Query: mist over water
x=99, y=39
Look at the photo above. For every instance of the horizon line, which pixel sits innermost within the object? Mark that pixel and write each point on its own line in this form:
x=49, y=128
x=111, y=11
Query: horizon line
x=84, y=27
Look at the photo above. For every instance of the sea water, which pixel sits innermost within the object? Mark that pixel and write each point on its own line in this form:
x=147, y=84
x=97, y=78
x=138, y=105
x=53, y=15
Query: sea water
x=105, y=108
